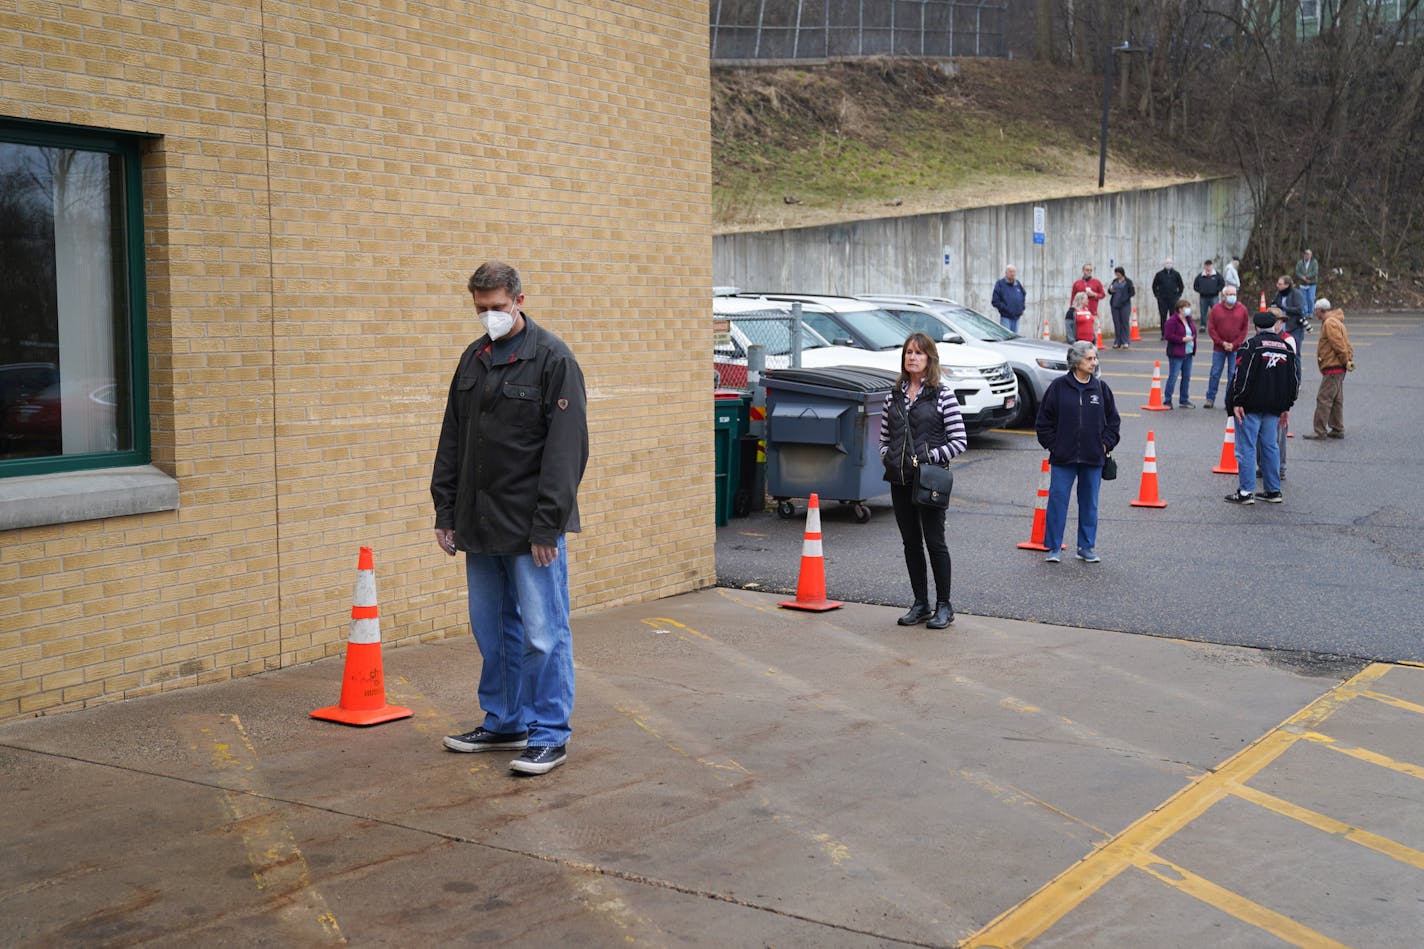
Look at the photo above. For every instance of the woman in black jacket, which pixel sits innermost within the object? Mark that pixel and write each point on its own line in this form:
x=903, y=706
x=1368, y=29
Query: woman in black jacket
x=1079, y=425
x=921, y=424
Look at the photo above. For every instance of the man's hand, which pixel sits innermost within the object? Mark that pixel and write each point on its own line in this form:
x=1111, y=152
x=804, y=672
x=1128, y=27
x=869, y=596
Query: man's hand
x=445, y=537
x=1240, y=413
x=544, y=554
x=1285, y=418
x=1228, y=346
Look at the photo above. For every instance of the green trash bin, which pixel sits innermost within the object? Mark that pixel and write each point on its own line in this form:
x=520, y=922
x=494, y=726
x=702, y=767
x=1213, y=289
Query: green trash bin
x=732, y=415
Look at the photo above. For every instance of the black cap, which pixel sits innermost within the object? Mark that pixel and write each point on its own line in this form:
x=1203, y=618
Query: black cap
x=1264, y=320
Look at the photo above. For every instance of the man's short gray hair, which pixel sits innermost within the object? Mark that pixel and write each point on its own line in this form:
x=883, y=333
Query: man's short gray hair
x=1078, y=352
x=494, y=275
x=1322, y=304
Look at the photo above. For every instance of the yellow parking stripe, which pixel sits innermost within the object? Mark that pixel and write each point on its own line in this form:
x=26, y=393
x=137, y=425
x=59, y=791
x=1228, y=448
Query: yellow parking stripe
x=1390, y=848
x=1364, y=754
x=1282, y=927
x=1025, y=922
x=1395, y=701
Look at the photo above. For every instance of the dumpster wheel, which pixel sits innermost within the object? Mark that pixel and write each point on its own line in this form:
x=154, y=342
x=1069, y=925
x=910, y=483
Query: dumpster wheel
x=862, y=513
x=786, y=509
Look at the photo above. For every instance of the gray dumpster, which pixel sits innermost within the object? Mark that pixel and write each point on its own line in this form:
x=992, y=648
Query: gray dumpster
x=823, y=435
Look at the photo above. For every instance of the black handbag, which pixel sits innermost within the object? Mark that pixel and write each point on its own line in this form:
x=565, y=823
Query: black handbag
x=932, y=486
x=1110, y=468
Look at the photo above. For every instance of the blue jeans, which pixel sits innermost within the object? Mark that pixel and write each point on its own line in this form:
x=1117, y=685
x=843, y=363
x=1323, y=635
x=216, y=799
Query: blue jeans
x=1060, y=483
x=1206, y=304
x=1010, y=323
x=1175, y=365
x=1309, y=294
x=519, y=613
x=1218, y=362
x=1254, y=427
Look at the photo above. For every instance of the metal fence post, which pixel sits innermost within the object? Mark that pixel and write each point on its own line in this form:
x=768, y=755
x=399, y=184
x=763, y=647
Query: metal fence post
x=796, y=335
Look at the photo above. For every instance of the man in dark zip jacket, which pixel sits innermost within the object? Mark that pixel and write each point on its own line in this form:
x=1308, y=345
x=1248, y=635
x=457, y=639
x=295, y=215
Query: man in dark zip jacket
x=1266, y=384
x=1079, y=424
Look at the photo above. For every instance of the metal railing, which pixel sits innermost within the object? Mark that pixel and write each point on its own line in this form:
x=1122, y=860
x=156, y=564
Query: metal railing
x=750, y=30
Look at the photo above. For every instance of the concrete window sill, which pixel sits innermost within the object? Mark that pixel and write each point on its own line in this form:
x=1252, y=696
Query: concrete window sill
x=84, y=496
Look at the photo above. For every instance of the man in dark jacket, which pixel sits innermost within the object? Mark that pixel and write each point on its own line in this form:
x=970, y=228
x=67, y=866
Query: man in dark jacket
x=1260, y=396
x=1290, y=301
x=512, y=451
x=1167, y=289
x=1079, y=424
x=1208, y=285
x=1009, y=299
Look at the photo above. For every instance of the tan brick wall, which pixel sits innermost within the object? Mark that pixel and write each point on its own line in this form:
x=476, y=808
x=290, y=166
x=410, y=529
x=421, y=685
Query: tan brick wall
x=326, y=176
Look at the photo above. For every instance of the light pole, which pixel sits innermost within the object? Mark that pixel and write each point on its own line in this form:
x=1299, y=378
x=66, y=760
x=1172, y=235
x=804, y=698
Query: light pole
x=1125, y=48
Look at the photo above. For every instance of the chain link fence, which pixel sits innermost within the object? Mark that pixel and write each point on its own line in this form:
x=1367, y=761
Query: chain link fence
x=780, y=335
x=753, y=30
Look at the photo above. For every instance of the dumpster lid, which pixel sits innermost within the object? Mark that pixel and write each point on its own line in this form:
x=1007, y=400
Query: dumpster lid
x=847, y=378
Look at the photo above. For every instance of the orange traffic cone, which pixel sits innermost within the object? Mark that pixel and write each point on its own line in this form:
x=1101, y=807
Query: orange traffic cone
x=811, y=585
x=1134, y=336
x=1147, y=493
x=1263, y=301
x=1046, y=336
x=1040, y=514
x=1154, y=396
x=1227, y=465
x=363, y=687
x=1098, y=340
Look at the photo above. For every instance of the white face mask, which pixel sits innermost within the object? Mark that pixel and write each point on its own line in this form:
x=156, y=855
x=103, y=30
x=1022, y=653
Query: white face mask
x=1230, y=301
x=1186, y=312
x=497, y=323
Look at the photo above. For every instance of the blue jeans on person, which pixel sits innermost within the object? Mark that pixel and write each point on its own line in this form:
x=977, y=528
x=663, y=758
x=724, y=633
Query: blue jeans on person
x=1259, y=427
x=1218, y=362
x=1178, y=365
x=519, y=613
x=1309, y=294
x=1010, y=323
x=1206, y=304
x=1060, y=483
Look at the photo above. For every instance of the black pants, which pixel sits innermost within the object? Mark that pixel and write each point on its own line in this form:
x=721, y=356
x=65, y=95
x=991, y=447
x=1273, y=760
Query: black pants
x=921, y=528
x=1122, y=324
x=1164, y=307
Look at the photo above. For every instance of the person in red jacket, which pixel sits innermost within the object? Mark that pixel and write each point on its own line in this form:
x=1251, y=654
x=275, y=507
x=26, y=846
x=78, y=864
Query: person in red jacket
x=1228, y=324
x=1090, y=285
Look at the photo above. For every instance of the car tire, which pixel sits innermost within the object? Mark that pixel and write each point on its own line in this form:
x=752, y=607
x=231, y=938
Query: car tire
x=1027, y=410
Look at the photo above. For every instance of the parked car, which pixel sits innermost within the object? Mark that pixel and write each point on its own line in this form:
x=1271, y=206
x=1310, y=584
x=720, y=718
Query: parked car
x=1033, y=361
x=34, y=425
x=19, y=380
x=755, y=320
x=985, y=386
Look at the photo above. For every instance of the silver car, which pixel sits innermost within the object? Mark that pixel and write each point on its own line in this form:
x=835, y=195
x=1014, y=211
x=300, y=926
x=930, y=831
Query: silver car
x=1034, y=362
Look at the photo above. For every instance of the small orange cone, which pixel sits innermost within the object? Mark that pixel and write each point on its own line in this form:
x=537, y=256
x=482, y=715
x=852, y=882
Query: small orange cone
x=1040, y=514
x=1046, y=336
x=363, y=686
x=1098, y=340
x=1134, y=336
x=1154, y=396
x=1147, y=493
x=811, y=585
x=1227, y=465
x=1263, y=301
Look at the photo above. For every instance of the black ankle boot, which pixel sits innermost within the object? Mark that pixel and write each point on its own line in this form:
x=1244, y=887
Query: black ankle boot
x=919, y=612
x=943, y=615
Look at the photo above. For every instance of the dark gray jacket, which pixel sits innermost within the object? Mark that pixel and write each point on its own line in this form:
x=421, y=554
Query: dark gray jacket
x=513, y=446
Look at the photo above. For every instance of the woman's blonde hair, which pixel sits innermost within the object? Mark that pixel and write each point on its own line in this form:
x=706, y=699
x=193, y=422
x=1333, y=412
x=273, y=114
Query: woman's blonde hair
x=1080, y=300
x=927, y=346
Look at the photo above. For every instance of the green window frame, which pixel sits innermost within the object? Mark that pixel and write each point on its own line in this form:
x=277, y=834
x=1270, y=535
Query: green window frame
x=132, y=418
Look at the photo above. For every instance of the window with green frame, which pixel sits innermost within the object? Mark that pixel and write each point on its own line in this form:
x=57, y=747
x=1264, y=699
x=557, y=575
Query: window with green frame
x=73, y=338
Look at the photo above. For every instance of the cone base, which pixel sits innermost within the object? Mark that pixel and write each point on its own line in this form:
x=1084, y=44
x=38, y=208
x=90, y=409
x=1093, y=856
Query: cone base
x=1156, y=408
x=375, y=716
x=1140, y=503
x=1220, y=470
x=1030, y=545
x=812, y=606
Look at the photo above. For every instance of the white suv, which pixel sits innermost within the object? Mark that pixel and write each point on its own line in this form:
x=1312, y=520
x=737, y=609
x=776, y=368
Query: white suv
x=746, y=321
x=987, y=389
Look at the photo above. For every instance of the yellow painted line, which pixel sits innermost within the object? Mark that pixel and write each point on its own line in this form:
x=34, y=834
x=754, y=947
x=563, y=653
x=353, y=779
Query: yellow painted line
x=1358, y=835
x=1021, y=924
x=1278, y=925
x=1364, y=754
x=278, y=866
x=1395, y=701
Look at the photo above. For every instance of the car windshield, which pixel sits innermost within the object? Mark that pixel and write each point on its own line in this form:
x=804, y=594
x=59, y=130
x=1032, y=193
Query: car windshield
x=977, y=326
x=880, y=328
x=772, y=331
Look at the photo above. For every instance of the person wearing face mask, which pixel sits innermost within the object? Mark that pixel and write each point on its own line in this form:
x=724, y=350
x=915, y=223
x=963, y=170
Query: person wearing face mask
x=1181, y=334
x=1228, y=324
x=1167, y=289
x=512, y=451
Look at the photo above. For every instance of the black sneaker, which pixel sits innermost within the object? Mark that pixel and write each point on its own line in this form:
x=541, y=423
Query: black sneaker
x=539, y=759
x=1241, y=497
x=1208, y=404
x=1272, y=497
x=1186, y=405
x=482, y=739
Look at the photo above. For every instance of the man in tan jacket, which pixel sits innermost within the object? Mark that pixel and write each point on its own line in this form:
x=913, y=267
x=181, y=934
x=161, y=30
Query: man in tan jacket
x=1335, y=357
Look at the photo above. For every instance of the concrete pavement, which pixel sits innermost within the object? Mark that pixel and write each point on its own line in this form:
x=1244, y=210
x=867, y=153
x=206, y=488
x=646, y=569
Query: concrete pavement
x=742, y=775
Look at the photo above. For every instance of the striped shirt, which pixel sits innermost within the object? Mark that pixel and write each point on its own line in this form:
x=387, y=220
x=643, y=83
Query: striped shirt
x=956, y=440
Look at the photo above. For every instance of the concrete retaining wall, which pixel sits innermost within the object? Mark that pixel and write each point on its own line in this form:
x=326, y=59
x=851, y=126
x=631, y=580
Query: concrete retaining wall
x=959, y=254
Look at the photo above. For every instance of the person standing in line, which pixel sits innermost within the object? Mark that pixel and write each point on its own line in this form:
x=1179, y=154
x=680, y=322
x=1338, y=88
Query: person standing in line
x=1009, y=299
x=1208, y=286
x=1228, y=325
x=1290, y=301
x=1335, y=356
x=1282, y=443
x=921, y=425
x=1079, y=425
x=1167, y=289
x=512, y=451
x=1181, y=333
x=1120, y=294
x=1080, y=322
x=1307, y=277
x=1090, y=285
x=1266, y=384
x=1232, y=272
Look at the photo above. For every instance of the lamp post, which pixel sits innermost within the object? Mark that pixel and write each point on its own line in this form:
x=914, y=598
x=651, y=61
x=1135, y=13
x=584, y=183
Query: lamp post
x=1125, y=48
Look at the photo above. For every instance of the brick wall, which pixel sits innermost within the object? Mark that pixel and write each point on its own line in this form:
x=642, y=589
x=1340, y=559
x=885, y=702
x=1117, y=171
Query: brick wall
x=324, y=178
